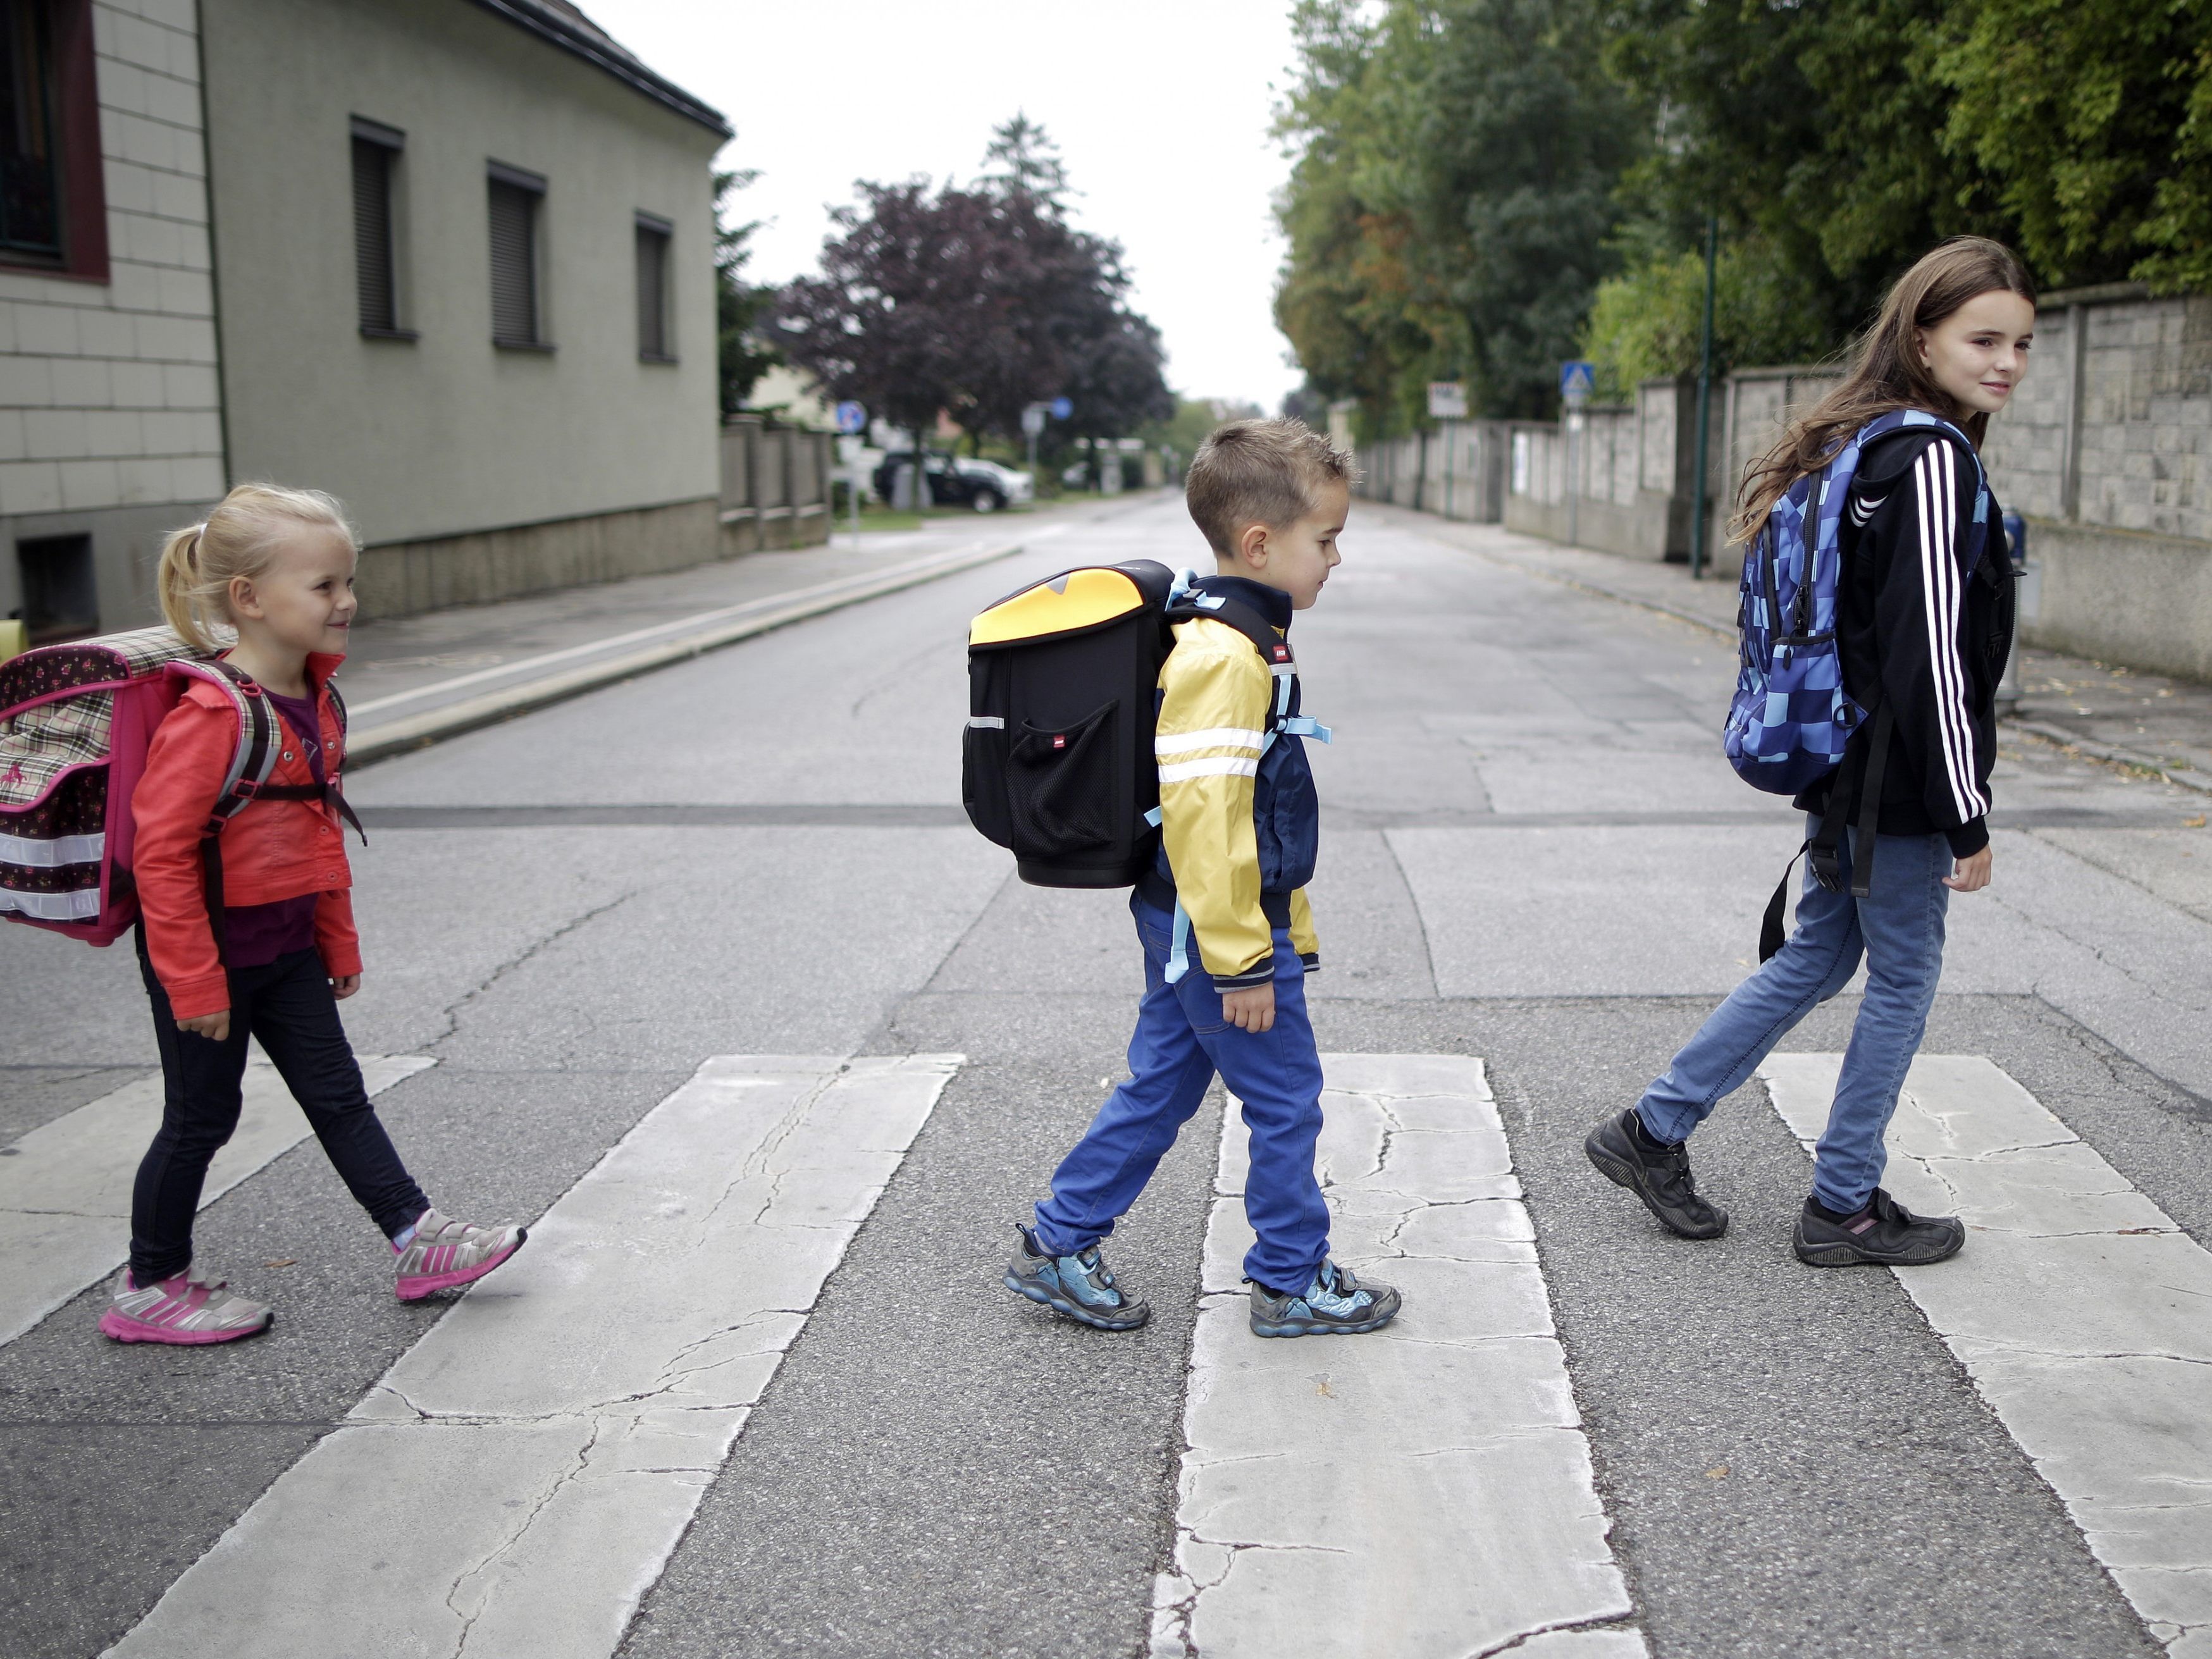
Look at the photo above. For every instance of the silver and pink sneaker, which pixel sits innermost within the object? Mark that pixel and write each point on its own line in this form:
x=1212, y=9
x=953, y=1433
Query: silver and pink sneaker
x=445, y=1255
x=188, y=1309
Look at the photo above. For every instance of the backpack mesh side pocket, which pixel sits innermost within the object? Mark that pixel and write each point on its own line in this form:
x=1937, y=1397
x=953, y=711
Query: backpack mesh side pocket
x=1061, y=785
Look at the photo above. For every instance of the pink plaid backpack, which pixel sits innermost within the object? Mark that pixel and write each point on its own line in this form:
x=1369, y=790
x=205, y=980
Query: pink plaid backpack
x=76, y=721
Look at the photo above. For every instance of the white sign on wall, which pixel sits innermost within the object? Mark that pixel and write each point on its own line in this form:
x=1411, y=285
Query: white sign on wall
x=1447, y=400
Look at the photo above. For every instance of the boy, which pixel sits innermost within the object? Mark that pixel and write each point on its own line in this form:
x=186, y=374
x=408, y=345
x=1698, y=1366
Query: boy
x=1227, y=935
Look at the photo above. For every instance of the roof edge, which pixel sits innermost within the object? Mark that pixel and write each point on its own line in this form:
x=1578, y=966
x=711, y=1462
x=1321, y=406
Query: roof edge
x=558, y=31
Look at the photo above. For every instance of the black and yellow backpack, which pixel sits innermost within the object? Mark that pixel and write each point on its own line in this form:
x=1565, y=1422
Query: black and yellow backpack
x=1056, y=762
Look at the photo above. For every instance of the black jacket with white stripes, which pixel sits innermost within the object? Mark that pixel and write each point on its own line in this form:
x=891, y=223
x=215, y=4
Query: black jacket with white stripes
x=1931, y=634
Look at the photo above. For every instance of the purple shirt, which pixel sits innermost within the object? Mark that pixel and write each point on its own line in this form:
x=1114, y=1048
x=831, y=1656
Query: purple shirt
x=254, y=935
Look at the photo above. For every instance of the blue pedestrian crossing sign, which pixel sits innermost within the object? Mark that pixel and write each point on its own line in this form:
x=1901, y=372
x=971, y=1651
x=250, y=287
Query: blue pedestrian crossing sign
x=1061, y=409
x=1576, y=380
x=852, y=416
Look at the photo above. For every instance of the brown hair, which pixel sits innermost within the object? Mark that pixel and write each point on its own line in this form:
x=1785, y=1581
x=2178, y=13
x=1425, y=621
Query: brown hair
x=1884, y=372
x=238, y=537
x=1260, y=472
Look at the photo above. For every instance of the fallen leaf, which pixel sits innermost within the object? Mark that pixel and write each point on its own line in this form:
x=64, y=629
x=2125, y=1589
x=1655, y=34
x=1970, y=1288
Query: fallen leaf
x=283, y=1261
x=1718, y=1472
x=1322, y=1388
x=2197, y=822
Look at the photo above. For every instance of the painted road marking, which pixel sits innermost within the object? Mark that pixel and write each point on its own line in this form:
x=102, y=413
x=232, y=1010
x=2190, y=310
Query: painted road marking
x=515, y=1483
x=1433, y=1476
x=65, y=1195
x=2082, y=1313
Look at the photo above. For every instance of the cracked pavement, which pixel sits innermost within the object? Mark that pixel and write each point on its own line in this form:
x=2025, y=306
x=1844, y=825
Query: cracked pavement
x=1532, y=858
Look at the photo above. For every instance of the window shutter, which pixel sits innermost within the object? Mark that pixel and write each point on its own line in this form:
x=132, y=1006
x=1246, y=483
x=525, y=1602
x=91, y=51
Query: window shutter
x=514, y=264
x=652, y=291
x=372, y=233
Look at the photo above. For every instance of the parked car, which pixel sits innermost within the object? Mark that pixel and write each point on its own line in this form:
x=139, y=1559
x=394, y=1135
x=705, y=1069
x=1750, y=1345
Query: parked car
x=950, y=482
x=1013, y=483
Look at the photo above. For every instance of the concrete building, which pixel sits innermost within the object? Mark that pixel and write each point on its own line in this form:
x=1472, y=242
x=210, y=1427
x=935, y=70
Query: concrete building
x=110, y=426
x=460, y=274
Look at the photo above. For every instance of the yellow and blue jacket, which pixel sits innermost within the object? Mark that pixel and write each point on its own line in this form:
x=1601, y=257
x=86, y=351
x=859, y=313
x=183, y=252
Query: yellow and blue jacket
x=1240, y=821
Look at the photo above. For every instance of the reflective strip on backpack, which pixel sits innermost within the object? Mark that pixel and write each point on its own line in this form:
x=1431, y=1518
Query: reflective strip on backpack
x=33, y=854
x=986, y=722
x=81, y=906
x=1213, y=766
x=1219, y=737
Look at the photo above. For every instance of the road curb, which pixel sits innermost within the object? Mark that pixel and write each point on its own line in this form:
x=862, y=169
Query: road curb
x=2182, y=777
x=401, y=737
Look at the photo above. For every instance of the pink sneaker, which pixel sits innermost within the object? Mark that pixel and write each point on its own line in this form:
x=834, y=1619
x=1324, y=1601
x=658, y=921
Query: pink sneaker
x=189, y=1309
x=444, y=1254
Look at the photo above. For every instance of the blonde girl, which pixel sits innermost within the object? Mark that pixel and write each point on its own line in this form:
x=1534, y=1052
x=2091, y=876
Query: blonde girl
x=1924, y=624
x=249, y=932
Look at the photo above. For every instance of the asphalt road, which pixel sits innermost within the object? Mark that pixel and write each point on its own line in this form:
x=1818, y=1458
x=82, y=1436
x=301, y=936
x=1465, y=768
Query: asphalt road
x=1532, y=854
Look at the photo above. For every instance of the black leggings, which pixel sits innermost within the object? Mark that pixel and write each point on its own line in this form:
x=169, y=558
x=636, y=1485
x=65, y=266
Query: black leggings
x=289, y=1006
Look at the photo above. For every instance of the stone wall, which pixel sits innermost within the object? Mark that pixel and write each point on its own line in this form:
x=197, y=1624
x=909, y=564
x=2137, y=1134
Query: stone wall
x=776, y=486
x=400, y=579
x=1458, y=471
x=2107, y=450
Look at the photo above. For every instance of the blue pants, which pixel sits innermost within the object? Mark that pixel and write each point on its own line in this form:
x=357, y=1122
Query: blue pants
x=1181, y=1040
x=1898, y=927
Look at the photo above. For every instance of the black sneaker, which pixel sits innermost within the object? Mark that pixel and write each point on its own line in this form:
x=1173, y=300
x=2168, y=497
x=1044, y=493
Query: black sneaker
x=1661, y=1178
x=1885, y=1234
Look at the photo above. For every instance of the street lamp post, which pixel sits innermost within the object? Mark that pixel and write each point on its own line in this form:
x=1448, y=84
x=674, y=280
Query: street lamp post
x=1705, y=403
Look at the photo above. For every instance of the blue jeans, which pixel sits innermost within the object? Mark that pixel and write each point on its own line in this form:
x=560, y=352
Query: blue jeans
x=1900, y=928
x=1181, y=1040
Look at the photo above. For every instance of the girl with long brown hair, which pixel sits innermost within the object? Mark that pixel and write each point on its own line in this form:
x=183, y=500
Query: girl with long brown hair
x=1923, y=624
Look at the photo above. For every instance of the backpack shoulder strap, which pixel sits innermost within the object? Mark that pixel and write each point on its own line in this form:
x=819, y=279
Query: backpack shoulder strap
x=337, y=710
x=256, y=754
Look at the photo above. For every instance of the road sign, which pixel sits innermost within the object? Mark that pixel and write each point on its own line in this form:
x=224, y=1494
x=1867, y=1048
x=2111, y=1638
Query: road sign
x=1447, y=400
x=852, y=416
x=1033, y=419
x=1061, y=409
x=1575, y=380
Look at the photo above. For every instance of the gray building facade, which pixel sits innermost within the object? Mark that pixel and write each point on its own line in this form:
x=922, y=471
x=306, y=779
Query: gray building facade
x=451, y=260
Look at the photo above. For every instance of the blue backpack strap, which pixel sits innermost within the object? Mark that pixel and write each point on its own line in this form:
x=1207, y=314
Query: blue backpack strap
x=1179, y=945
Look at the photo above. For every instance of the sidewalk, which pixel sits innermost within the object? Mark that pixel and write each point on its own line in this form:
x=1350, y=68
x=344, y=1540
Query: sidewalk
x=2118, y=716
x=412, y=680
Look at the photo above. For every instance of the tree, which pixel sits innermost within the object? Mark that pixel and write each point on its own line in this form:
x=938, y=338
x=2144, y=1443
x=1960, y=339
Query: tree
x=974, y=303
x=1450, y=209
x=902, y=312
x=1028, y=164
x=2093, y=122
x=740, y=309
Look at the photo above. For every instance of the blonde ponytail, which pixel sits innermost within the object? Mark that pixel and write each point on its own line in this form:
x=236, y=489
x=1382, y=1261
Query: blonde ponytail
x=238, y=537
x=184, y=595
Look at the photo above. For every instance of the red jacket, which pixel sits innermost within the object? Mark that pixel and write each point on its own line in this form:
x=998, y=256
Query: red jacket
x=271, y=849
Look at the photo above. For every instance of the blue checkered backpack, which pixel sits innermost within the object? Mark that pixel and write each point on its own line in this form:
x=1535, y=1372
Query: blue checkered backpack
x=1791, y=717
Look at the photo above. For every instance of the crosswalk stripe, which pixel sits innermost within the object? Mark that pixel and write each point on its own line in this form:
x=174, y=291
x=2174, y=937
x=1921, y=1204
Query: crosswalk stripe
x=1433, y=1476
x=65, y=1195
x=2078, y=1307
x=516, y=1482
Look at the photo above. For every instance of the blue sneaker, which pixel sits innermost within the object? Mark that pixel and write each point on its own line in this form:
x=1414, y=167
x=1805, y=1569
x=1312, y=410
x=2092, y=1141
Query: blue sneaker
x=1080, y=1286
x=1334, y=1303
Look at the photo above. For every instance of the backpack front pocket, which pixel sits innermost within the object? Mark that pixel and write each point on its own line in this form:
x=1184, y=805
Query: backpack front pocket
x=1061, y=786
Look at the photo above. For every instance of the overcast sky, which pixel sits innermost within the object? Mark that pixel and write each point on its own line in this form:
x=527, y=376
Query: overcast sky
x=1161, y=112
